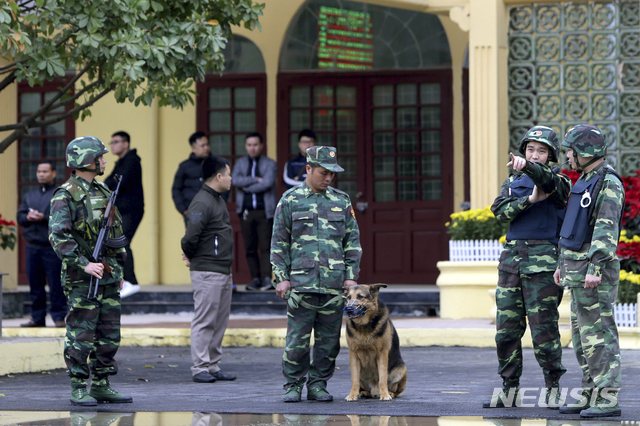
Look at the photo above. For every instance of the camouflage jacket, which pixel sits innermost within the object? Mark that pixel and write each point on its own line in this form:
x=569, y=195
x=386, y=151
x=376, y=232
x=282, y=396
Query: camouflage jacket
x=597, y=257
x=316, y=241
x=77, y=207
x=530, y=256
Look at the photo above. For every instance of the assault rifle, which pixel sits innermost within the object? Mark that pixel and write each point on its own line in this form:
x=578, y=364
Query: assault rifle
x=104, y=242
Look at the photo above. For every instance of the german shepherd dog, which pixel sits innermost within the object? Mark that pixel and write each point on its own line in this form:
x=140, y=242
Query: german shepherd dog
x=377, y=369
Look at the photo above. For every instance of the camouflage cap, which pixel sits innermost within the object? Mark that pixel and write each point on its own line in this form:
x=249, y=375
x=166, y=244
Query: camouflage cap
x=586, y=140
x=545, y=135
x=83, y=151
x=324, y=156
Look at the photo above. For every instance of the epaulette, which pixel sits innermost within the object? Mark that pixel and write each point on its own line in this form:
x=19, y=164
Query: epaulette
x=337, y=191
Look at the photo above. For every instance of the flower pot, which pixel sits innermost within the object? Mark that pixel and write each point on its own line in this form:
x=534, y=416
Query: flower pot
x=464, y=289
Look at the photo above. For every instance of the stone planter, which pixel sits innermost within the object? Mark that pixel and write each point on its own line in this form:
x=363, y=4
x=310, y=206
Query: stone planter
x=464, y=289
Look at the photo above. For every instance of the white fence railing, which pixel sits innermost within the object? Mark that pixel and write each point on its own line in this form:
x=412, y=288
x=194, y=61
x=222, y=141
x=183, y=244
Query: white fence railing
x=474, y=250
x=626, y=314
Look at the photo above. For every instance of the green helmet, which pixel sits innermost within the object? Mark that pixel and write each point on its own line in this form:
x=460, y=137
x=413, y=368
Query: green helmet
x=586, y=140
x=545, y=135
x=84, y=151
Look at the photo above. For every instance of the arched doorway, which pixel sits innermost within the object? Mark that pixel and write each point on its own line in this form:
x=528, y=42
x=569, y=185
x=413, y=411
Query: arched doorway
x=229, y=106
x=376, y=83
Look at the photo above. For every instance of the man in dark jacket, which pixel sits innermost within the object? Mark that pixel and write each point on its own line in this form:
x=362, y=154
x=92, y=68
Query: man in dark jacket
x=43, y=265
x=130, y=201
x=188, y=179
x=208, y=248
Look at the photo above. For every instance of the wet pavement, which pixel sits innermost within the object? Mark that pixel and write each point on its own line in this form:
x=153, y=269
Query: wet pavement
x=442, y=381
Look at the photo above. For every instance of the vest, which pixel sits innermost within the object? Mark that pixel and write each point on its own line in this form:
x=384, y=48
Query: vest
x=89, y=212
x=540, y=221
x=577, y=227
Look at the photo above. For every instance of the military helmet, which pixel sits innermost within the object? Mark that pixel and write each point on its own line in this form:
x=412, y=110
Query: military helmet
x=83, y=152
x=545, y=135
x=586, y=140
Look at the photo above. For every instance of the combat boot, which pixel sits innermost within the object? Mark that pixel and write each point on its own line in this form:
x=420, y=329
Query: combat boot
x=578, y=405
x=318, y=392
x=294, y=393
x=508, y=398
x=105, y=394
x=79, y=396
x=605, y=406
x=553, y=398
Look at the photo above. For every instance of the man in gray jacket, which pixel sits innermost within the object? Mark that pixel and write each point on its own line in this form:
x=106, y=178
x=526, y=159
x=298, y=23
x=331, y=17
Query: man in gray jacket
x=208, y=248
x=254, y=177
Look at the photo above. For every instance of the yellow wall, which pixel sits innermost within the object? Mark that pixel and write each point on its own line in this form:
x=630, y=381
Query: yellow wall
x=160, y=136
x=9, y=179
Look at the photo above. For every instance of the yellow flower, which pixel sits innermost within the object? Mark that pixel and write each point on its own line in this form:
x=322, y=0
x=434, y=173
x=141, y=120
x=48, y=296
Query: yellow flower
x=503, y=239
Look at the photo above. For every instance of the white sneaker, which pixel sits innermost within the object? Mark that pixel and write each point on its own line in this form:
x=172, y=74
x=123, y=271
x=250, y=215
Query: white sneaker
x=128, y=289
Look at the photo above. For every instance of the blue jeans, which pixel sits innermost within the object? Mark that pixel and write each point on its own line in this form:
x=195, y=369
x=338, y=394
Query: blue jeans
x=44, y=266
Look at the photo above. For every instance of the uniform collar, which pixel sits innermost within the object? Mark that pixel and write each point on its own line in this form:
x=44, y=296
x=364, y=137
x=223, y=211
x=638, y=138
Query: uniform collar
x=595, y=171
x=308, y=192
x=82, y=182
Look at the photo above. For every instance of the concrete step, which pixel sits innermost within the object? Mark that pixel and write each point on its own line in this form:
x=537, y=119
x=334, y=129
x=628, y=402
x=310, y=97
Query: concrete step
x=402, y=300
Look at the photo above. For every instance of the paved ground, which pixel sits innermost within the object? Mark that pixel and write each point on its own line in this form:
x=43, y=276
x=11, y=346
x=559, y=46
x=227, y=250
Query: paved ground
x=442, y=382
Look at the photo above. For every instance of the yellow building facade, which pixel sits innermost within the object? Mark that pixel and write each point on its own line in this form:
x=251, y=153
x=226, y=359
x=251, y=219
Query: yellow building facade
x=476, y=35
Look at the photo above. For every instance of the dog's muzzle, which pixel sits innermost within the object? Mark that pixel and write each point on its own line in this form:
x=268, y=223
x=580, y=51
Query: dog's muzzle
x=353, y=309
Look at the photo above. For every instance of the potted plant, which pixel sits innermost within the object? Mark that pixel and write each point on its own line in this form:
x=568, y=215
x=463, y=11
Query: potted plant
x=475, y=235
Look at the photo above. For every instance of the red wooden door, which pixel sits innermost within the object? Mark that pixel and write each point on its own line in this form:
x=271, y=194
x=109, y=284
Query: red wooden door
x=394, y=137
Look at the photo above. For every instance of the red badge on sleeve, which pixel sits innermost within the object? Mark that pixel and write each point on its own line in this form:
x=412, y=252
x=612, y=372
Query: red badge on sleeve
x=353, y=213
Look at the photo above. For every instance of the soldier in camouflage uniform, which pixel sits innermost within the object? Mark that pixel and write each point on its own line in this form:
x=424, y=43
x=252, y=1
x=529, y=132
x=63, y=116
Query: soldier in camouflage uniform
x=93, y=324
x=590, y=267
x=315, y=253
x=533, y=203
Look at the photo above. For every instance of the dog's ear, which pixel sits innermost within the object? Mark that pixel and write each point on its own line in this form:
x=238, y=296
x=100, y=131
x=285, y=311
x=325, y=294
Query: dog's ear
x=374, y=289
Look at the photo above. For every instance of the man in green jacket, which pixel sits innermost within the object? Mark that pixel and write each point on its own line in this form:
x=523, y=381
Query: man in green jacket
x=93, y=324
x=315, y=253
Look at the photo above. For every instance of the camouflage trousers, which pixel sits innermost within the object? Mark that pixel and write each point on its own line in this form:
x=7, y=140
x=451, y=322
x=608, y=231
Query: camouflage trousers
x=325, y=325
x=595, y=335
x=93, y=334
x=535, y=298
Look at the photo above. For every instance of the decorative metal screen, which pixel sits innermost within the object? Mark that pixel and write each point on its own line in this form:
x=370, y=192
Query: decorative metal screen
x=574, y=63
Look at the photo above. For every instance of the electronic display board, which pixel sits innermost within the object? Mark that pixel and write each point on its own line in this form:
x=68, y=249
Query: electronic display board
x=345, y=39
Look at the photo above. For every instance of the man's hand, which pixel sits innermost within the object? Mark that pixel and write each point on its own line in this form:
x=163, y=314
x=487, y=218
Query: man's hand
x=518, y=163
x=591, y=281
x=537, y=195
x=188, y=262
x=34, y=216
x=556, y=277
x=282, y=288
x=121, y=284
x=95, y=269
x=347, y=284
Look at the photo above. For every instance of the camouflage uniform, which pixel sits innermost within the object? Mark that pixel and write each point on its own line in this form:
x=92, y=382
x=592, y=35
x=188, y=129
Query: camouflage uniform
x=593, y=327
x=93, y=326
x=526, y=289
x=316, y=246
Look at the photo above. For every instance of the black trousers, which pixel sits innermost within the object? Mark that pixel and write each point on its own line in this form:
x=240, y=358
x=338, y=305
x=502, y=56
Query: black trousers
x=130, y=223
x=256, y=233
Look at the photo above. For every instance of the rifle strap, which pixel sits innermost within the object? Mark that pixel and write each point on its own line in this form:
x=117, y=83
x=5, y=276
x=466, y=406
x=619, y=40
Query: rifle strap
x=83, y=244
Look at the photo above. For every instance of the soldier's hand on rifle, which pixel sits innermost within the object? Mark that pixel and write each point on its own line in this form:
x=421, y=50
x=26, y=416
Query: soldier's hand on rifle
x=518, y=163
x=537, y=195
x=95, y=269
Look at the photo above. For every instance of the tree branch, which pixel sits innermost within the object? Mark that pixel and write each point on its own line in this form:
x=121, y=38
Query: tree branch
x=7, y=80
x=75, y=110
